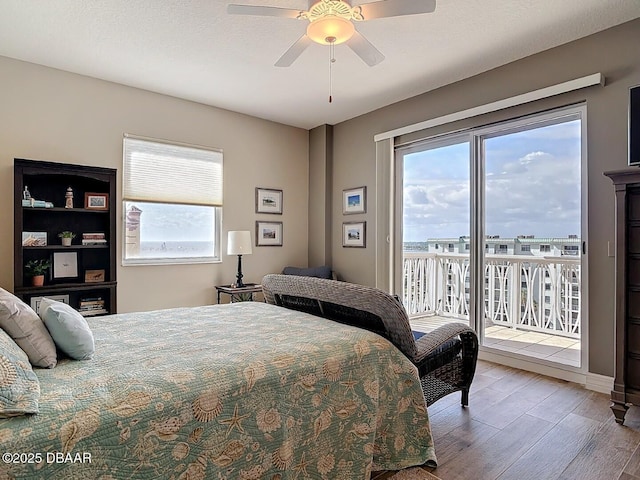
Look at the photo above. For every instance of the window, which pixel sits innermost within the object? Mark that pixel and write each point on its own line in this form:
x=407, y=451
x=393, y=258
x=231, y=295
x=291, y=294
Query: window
x=450, y=247
x=525, y=248
x=545, y=248
x=570, y=250
x=172, y=203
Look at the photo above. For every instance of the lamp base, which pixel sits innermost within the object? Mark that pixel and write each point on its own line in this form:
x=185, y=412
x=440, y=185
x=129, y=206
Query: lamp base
x=239, y=283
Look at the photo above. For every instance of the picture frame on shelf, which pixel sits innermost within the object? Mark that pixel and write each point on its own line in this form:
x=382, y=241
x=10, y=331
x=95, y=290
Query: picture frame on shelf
x=354, y=200
x=96, y=201
x=268, y=234
x=35, y=301
x=94, y=276
x=354, y=234
x=65, y=265
x=34, y=239
x=268, y=200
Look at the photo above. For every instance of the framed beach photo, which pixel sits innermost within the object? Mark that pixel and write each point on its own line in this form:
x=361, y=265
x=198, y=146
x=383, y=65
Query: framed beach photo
x=94, y=276
x=34, y=239
x=268, y=200
x=354, y=200
x=96, y=201
x=354, y=234
x=268, y=234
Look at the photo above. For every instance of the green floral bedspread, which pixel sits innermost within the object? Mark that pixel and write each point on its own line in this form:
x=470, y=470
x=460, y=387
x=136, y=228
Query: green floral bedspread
x=240, y=391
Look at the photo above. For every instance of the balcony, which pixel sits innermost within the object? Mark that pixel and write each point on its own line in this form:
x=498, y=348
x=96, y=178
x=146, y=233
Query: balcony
x=532, y=303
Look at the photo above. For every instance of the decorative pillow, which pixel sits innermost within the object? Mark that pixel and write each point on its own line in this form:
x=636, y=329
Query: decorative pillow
x=69, y=329
x=19, y=386
x=319, y=272
x=25, y=327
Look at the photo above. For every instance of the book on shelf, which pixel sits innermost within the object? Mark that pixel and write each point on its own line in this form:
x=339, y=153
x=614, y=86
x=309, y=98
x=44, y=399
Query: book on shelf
x=93, y=235
x=36, y=203
x=91, y=313
x=91, y=301
x=93, y=242
x=92, y=304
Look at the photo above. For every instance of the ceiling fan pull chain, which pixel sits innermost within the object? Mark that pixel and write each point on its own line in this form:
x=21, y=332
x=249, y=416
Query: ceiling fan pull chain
x=332, y=60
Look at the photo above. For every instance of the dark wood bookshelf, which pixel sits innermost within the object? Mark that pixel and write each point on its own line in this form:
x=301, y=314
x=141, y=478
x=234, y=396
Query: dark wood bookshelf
x=48, y=181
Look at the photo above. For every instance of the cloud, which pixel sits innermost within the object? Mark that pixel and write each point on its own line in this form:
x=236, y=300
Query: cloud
x=532, y=186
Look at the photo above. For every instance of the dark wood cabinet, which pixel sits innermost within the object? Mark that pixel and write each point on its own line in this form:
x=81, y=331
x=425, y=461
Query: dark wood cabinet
x=84, y=273
x=626, y=385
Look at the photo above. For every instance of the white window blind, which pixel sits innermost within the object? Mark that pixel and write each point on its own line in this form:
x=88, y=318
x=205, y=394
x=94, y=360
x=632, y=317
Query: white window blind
x=155, y=171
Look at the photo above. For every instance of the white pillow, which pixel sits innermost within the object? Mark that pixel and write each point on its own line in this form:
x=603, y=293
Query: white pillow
x=69, y=330
x=23, y=325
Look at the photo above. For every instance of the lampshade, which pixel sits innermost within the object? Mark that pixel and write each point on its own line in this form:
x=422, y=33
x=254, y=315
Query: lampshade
x=239, y=243
x=330, y=29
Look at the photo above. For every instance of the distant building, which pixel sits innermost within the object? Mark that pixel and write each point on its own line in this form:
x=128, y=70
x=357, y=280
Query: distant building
x=495, y=245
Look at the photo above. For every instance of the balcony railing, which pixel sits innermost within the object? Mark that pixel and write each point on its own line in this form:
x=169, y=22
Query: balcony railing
x=520, y=291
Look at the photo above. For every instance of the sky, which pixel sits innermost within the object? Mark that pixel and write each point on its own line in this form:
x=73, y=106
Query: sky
x=170, y=223
x=532, y=186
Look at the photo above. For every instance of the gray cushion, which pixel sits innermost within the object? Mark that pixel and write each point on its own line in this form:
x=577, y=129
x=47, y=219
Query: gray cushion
x=319, y=272
x=19, y=386
x=69, y=329
x=25, y=327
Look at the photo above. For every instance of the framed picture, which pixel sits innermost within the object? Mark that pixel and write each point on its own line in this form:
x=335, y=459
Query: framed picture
x=354, y=200
x=35, y=301
x=94, y=276
x=268, y=234
x=268, y=200
x=65, y=264
x=96, y=201
x=354, y=234
x=34, y=239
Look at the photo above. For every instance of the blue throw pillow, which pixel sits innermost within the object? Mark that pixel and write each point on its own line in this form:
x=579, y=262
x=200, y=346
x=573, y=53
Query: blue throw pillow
x=69, y=330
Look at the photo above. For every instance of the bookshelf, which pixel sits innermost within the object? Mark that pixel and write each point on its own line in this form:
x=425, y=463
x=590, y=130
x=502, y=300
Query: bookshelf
x=50, y=198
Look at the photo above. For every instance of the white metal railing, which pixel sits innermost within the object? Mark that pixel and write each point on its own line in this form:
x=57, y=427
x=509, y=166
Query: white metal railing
x=520, y=291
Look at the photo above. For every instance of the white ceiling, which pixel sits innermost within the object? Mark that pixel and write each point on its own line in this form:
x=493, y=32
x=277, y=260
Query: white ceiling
x=194, y=50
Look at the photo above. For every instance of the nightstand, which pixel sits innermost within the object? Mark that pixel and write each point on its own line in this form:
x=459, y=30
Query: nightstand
x=239, y=294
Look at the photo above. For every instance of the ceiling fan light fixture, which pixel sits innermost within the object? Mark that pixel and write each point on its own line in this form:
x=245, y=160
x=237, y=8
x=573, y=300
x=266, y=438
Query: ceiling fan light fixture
x=330, y=29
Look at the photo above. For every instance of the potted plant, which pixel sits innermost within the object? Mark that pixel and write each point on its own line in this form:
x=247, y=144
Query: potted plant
x=66, y=237
x=37, y=269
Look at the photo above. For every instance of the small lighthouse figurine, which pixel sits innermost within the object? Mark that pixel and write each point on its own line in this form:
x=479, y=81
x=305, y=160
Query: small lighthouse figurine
x=68, y=198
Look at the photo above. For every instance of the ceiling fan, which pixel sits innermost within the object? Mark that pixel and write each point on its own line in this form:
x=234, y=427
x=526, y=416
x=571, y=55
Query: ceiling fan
x=331, y=22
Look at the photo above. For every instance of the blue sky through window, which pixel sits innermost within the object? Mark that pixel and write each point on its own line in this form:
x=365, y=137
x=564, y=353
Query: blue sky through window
x=532, y=186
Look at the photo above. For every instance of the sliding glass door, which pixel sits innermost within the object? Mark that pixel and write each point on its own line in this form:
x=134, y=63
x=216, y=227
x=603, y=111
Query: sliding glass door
x=436, y=219
x=492, y=234
x=533, y=237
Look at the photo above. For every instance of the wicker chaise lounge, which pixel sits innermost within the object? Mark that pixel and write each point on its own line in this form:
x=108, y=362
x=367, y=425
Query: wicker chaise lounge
x=445, y=358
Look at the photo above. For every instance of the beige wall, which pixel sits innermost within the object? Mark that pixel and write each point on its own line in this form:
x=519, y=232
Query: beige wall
x=320, y=193
x=48, y=114
x=613, y=53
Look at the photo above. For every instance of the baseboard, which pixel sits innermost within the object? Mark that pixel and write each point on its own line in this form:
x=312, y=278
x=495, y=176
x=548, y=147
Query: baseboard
x=599, y=383
x=590, y=381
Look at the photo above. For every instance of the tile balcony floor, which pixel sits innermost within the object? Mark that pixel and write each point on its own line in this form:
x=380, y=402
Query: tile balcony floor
x=550, y=347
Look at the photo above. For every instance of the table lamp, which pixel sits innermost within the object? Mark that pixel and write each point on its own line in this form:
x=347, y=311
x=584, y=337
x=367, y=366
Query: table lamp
x=239, y=243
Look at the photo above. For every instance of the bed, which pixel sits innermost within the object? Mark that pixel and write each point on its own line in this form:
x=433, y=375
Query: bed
x=238, y=391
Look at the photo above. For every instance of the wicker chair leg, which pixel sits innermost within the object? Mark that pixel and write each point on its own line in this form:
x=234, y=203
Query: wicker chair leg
x=465, y=397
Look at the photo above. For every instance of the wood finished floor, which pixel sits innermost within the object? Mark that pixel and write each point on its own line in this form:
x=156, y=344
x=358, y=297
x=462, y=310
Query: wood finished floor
x=524, y=426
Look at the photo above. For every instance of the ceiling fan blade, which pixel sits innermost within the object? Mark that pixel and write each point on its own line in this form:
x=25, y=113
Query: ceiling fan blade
x=294, y=51
x=234, y=9
x=365, y=50
x=395, y=8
